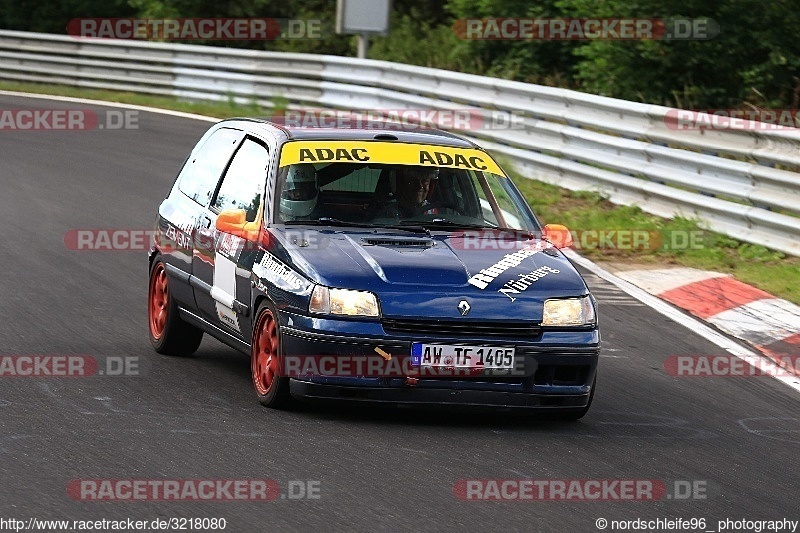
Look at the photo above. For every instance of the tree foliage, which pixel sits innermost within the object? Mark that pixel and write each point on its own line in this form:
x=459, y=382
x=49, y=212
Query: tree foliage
x=754, y=60
x=52, y=17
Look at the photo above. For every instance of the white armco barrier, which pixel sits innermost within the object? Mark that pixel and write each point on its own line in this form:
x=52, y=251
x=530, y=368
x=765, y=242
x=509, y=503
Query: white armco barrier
x=742, y=182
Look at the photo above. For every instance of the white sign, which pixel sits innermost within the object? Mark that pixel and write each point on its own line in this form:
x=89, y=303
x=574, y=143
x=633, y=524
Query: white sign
x=363, y=16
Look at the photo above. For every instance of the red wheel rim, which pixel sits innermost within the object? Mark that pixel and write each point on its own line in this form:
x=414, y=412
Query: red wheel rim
x=265, y=362
x=157, y=301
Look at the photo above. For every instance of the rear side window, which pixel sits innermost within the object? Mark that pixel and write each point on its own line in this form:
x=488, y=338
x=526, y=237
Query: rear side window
x=199, y=177
x=243, y=184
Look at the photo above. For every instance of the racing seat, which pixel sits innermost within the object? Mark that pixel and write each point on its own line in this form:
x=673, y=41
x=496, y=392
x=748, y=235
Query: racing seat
x=384, y=190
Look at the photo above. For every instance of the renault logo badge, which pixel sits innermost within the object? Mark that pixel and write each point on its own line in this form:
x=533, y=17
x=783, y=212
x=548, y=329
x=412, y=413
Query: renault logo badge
x=463, y=308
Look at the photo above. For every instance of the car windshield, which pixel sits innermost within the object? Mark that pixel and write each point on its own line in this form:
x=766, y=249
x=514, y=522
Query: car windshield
x=381, y=195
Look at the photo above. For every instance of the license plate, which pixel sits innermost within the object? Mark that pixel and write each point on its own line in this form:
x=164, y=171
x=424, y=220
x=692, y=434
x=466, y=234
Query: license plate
x=460, y=356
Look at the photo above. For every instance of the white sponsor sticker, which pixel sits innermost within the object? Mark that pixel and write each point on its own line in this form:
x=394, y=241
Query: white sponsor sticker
x=487, y=275
x=523, y=281
x=278, y=273
x=224, y=291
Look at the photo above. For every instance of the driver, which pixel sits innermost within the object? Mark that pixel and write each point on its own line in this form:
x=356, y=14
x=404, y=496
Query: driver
x=300, y=192
x=411, y=192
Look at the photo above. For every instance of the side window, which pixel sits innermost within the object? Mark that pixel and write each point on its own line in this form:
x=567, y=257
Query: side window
x=200, y=174
x=243, y=184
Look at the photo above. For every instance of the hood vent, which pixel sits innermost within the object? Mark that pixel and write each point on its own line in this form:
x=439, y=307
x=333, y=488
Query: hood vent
x=405, y=243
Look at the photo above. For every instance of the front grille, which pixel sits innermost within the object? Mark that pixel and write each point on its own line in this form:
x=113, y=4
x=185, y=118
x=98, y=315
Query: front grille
x=462, y=328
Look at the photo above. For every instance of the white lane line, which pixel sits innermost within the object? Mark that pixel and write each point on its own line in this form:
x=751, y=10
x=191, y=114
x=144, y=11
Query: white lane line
x=678, y=316
x=105, y=103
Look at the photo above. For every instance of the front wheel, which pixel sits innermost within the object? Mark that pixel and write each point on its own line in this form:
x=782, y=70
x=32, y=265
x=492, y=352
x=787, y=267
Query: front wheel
x=169, y=334
x=272, y=388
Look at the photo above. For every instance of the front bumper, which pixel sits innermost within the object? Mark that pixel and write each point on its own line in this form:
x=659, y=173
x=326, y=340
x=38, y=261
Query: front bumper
x=432, y=396
x=557, y=370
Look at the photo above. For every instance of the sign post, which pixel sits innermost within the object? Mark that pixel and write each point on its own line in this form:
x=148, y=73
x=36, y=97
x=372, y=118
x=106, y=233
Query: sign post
x=363, y=18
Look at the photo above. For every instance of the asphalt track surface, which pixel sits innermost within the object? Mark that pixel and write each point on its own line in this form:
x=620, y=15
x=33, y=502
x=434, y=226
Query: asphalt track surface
x=378, y=470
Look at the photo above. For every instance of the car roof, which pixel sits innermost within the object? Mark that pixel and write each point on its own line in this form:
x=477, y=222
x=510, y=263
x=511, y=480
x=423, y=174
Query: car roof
x=393, y=132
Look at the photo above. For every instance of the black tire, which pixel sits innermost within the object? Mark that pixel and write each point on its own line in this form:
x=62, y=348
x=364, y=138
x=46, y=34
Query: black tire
x=168, y=334
x=266, y=360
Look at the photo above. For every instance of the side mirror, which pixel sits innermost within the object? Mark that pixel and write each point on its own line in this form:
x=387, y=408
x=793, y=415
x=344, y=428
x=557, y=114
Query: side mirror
x=234, y=221
x=559, y=235
x=231, y=221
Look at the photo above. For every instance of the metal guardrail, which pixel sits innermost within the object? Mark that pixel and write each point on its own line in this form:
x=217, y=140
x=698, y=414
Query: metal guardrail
x=744, y=183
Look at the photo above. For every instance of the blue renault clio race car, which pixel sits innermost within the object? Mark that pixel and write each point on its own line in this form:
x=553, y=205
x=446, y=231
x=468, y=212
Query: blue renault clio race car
x=369, y=265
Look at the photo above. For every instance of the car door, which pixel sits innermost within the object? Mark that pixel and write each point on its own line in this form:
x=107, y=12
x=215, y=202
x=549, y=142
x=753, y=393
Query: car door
x=222, y=272
x=182, y=213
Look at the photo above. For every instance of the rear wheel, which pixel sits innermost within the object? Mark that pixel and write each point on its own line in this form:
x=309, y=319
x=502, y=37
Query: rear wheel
x=272, y=388
x=169, y=334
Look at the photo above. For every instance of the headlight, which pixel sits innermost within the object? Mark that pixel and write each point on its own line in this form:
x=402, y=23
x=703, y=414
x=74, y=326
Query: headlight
x=343, y=302
x=569, y=312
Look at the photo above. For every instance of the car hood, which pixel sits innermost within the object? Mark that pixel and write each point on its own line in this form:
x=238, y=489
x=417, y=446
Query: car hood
x=417, y=275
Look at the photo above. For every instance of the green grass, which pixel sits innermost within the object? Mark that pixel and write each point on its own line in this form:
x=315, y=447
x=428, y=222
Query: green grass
x=766, y=269
x=757, y=265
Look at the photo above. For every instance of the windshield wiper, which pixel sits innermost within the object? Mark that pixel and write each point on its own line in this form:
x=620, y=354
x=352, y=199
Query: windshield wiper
x=444, y=223
x=449, y=224
x=412, y=227
x=328, y=221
